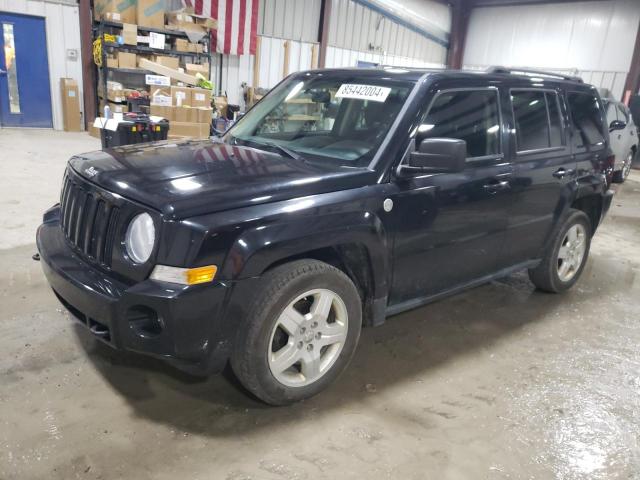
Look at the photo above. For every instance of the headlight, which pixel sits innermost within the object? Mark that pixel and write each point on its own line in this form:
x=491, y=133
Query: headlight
x=140, y=237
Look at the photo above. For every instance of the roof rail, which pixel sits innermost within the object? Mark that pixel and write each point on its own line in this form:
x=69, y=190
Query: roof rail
x=531, y=71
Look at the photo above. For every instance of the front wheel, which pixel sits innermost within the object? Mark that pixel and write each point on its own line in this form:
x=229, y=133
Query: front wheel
x=564, y=261
x=621, y=175
x=301, y=331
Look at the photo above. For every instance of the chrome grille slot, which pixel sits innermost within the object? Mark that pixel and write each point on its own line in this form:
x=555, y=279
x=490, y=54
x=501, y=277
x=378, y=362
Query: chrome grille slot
x=88, y=221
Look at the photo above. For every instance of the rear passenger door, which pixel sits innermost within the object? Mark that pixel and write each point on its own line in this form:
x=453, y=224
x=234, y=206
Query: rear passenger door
x=544, y=166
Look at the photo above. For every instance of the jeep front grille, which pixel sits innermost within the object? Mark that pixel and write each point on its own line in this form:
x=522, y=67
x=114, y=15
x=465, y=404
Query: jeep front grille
x=88, y=221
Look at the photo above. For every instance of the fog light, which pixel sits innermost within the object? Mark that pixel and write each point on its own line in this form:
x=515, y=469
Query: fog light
x=184, y=276
x=144, y=321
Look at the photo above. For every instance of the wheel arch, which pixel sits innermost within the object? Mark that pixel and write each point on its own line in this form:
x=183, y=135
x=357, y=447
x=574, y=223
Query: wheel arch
x=356, y=244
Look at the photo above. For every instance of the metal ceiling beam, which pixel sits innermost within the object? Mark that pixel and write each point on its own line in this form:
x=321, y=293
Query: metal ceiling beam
x=504, y=3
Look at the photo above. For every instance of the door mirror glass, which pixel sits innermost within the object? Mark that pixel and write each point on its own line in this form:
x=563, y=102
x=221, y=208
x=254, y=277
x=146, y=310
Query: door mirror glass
x=439, y=155
x=617, y=125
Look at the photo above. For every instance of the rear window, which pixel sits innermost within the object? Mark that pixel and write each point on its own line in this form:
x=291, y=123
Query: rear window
x=538, y=121
x=587, y=120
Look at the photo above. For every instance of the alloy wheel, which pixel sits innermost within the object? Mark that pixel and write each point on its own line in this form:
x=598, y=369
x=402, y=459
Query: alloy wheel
x=308, y=337
x=571, y=252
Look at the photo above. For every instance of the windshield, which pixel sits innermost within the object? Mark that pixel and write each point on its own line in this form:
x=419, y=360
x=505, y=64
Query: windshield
x=320, y=118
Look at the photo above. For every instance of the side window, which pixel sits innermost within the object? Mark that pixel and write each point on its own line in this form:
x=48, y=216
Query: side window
x=532, y=123
x=538, y=120
x=587, y=120
x=556, y=132
x=469, y=115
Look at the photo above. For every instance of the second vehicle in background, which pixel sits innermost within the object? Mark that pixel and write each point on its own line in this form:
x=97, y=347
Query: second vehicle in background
x=623, y=134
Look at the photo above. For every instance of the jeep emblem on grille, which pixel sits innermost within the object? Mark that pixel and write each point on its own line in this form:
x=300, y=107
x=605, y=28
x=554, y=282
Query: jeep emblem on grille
x=91, y=171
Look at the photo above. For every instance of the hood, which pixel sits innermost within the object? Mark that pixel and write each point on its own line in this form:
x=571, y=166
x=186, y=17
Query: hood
x=191, y=178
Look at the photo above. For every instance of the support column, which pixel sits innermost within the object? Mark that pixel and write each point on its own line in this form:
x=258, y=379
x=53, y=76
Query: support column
x=460, y=13
x=633, y=77
x=86, y=55
x=323, y=33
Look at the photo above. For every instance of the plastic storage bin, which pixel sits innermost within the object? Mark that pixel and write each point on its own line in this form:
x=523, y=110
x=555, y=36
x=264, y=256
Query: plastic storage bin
x=134, y=128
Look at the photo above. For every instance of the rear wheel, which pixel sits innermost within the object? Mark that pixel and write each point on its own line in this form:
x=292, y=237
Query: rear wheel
x=563, y=263
x=301, y=332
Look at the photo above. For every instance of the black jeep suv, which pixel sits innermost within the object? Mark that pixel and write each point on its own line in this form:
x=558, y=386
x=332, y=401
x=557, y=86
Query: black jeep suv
x=341, y=198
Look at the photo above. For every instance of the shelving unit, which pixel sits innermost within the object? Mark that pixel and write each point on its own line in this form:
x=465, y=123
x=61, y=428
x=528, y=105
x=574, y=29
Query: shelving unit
x=134, y=77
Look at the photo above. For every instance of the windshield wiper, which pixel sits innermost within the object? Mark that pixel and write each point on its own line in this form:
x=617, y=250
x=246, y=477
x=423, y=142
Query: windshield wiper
x=286, y=151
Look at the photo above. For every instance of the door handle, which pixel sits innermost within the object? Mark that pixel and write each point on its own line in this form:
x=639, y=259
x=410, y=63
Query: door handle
x=561, y=172
x=3, y=72
x=497, y=186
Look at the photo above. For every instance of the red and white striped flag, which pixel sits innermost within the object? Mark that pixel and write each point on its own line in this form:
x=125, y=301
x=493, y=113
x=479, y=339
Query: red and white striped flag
x=237, y=24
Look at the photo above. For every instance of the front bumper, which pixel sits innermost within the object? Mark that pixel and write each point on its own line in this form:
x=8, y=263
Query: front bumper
x=180, y=324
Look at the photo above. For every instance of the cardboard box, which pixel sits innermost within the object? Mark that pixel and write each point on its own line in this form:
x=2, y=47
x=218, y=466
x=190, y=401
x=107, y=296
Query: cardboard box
x=182, y=45
x=189, y=129
x=192, y=114
x=118, y=107
x=204, y=114
x=112, y=16
x=192, y=47
x=160, y=96
x=180, y=96
x=94, y=131
x=169, y=72
x=130, y=33
x=200, y=97
x=151, y=13
x=127, y=60
x=193, y=68
x=161, y=111
x=221, y=105
x=124, y=9
x=112, y=62
x=70, y=105
x=206, y=22
x=171, y=62
x=180, y=114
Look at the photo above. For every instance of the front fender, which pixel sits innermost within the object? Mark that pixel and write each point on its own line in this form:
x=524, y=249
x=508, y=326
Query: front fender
x=259, y=247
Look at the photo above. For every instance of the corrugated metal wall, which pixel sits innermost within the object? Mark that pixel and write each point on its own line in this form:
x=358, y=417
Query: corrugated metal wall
x=357, y=32
x=63, y=34
x=359, y=28
x=290, y=19
x=594, y=39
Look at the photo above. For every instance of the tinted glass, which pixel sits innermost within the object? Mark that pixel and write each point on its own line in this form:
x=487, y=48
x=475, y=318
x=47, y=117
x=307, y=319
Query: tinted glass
x=532, y=123
x=587, y=119
x=471, y=116
x=555, y=120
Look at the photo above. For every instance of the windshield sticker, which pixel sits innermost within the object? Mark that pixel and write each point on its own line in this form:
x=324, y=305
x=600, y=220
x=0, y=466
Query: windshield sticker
x=363, y=92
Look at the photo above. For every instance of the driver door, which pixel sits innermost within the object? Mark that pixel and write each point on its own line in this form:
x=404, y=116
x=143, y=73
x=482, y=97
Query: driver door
x=450, y=227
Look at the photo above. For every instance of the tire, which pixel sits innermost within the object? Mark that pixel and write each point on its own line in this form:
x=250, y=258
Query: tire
x=555, y=274
x=277, y=332
x=621, y=175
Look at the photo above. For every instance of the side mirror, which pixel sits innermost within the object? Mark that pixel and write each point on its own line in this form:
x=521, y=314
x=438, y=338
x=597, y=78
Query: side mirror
x=617, y=125
x=439, y=155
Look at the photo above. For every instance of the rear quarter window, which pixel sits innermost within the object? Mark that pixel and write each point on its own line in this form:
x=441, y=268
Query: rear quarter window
x=587, y=120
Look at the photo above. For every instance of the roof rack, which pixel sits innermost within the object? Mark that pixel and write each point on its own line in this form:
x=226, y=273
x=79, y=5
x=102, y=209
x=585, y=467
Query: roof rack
x=531, y=71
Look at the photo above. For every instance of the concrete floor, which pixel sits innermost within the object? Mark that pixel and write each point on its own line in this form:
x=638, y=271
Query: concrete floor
x=501, y=382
